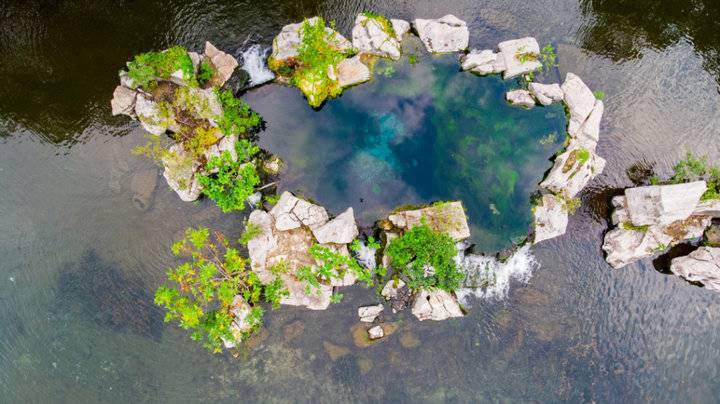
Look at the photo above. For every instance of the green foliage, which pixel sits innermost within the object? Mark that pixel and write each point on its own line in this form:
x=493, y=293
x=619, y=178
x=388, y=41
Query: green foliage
x=199, y=140
x=583, y=155
x=630, y=226
x=203, y=289
x=252, y=230
x=237, y=117
x=155, y=149
x=385, y=23
x=600, y=95
x=412, y=59
x=421, y=247
x=548, y=57
x=694, y=168
x=205, y=72
x=549, y=139
x=146, y=68
x=332, y=265
x=356, y=245
x=234, y=181
x=571, y=205
x=272, y=199
x=336, y=298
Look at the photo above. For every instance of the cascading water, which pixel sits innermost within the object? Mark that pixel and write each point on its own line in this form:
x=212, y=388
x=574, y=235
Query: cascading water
x=254, y=64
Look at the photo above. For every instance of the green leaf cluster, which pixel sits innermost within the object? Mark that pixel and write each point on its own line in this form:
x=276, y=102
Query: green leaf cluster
x=385, y=23
x=202, y=290
x=420, y=249
x=237, y=117
x=205, y=72
x=694, y=168
x=146, y=68
x=231, y=182
x=331, y=265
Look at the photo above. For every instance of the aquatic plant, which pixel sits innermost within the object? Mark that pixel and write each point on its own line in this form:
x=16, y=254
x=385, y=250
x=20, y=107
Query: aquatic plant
x=694, y=168
x=331, y=265
x=230, y=182
x=548, y=57
x=204, y=290
x=146, y=68
x=599, y=95
x=425, y=258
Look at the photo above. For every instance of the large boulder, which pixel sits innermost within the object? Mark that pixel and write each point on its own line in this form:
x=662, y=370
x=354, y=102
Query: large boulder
x=483, y=62
x=546, y=94
x=442, y=35
x=589, y=133
x=572, y=170
x=181, y=170
x=340, y=230
x=223, y=64
x=286, y=43
x=352, y=71
x=663, y=204
x=550, y=218
x=446, y=217
x=520, y=98
x=520, y=56
x=152, y=116
x=291, y=212
x=123, y=101
x=701, y=266
x=436, y=305
x=376, y=36
x=580, y=101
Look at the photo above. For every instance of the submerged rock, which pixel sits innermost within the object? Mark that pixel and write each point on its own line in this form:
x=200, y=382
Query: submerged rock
x=550, y=218
x=142, y=185
x=447, y=217
x=368, y=314
x=223, y=64
x=372, y=36
x=435, y=305
x=521, y=98
x=546, y=94
x=123, y=101
x=376, y=332
x=701, y=266
x=446, y=34
x=520, y=56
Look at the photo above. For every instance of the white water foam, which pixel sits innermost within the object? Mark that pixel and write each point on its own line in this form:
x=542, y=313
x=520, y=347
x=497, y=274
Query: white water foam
x=490, y=278
x=366, y=256
x=254, y=63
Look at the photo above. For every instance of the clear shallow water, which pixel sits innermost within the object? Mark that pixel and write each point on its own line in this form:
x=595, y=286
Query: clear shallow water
x=577, y=331
x=416, y=134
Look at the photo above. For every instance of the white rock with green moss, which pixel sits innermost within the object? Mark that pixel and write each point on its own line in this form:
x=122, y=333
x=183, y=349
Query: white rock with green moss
x=550, y=218
x=443, y=35
x=520, y=56
x=376, y=36
x=240, y=326
x=436, y=305
x=181, y=171
x=520, y=98
x=483, y=62
x=123, y=101
x=446, y=217
x=286, y=43
x=701, y=266
x=572, y=170
x=153, y=118
x=223, y=64
x=546, y=94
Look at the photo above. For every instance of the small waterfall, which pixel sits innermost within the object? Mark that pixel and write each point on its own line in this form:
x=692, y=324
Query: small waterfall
x=488, y=278
x=366, y=256
x=254, y=63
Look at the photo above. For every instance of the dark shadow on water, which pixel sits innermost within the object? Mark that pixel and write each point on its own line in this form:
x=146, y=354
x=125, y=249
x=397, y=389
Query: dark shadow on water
x=662, y=263
x=100, y=291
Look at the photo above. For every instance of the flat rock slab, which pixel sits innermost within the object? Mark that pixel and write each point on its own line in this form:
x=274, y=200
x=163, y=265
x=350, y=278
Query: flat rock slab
x=483, y=62
x=442, y=35
x=550, y=218
x=546, y=94
x=446, y=217
x=701, y=266
x=340, y=230
x=291, y=212
x=663, y=204
x=519, y=56
x=436, y=305
x=520, y=98
x=580, y=101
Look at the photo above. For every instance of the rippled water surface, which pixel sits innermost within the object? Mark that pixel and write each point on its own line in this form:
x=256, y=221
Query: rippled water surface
x=80, y=261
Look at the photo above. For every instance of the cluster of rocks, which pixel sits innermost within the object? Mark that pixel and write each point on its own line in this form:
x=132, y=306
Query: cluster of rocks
x=372, y=36
x=287, y=232
x=651, y=219
x=156, y=110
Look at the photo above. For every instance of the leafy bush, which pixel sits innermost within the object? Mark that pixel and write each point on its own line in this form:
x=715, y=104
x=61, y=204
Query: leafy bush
x=201, y=296
x=147, y=67
x=332, y=265
x=599, y=95
x=548, y=57
x=385, y=23
x=205, y=72
x=425, y=258
x=697, y=168
x=237, y=117
x=234, y=181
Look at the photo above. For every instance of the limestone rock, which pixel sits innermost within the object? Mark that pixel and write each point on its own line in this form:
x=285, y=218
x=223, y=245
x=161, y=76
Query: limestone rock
x=125, y=80
x=260, y=245
x=286, y=43
x=572, y=171
x=376, y=332
x=546, y=94
x=352, y=71
x=240, y=325
x=180, y=173
x=483, y=62
x=370, y=36
x=223, y=64
x=340, y=230
x=579, y=100
x=550, y=218
x=663, y=204
x=712, y=235
x=401, y=27
x=291, y=212
x=368, y=314
x=152, y=118
x=447, y=217
x=519, y=56
x=521, y=98
x=123, y=101
x=589, y=133
x=435, y=305
x=709, y=208
x=446, y=34
x=701, y=266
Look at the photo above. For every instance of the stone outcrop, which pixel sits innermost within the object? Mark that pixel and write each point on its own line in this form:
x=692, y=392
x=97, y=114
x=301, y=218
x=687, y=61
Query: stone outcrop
x=662, y=204
x=519, y=56
x=286, y=236
x=376, y=332
x=572, y=170
x=447, y=217
x=372, y=36
x=340, y=230
x=352, y=71
x=701, y=266
x=181, y=171
x=123, y=101
x=550, y=218
x=286, y=43
x=520, y=98
x=580, y=102
x=546, y=94
x=392, y=288
x=223, y=64
x=401, y=27
x=483, y=62
x=368, y=314
x=442, y=35
x=435, y=305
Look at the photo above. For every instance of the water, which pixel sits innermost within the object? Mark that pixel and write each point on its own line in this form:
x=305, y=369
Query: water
x=254, y=63
x=576, y=331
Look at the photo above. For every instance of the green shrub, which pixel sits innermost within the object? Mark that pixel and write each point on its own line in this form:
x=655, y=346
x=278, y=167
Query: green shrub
x=147, y=67
x=237, y=117
x=203, y=288
x=548, y=57
x=331, y=265
x=205, y=72
x=252, y=230
x=420, y=248
x=694, y=168
x=234, y=181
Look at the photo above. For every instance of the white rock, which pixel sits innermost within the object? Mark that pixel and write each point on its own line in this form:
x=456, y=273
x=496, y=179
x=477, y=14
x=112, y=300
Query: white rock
x=286, y=43
x=447, y=217
x=514, y=51
x=291, y=212
x=368, y=314
x=483, y=62
x=376, y=332
x=701, y=266
x=570, y=174
x=390, y=290
x=123, y=101
x=551, y=218
x=340, y=230
x=352, y=71
x=546, y=94
x=259, y=246
x=401, y=27
x=369, y=36
x=125, y=80
x=589, y=133
x=708, y=208
x=180, y=173
x=196, y=59
x=619, y=214
x=223, y=64
x=240, y=324
x=663, y=204
x=446, y=34
x=579, y=100
x=149, y=114
x=435, y=305
x=520, y=98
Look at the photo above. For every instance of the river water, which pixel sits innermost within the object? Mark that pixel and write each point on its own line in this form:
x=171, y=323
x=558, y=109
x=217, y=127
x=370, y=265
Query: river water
x=81, y=261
